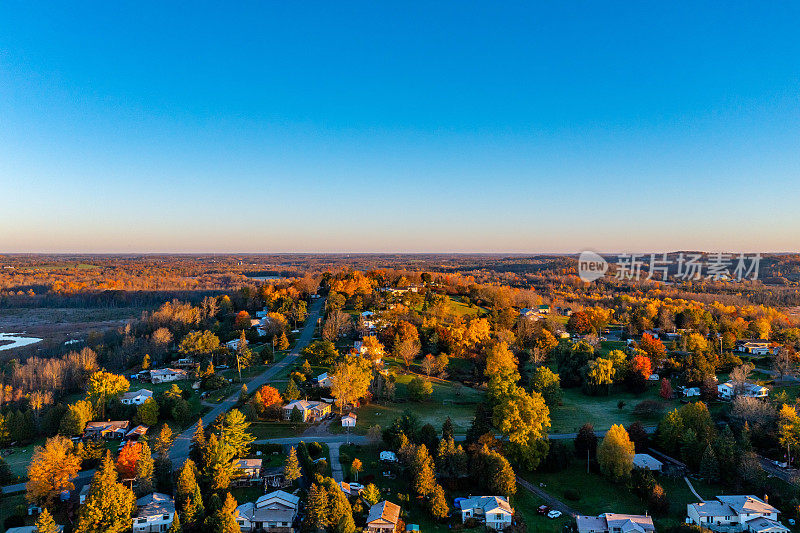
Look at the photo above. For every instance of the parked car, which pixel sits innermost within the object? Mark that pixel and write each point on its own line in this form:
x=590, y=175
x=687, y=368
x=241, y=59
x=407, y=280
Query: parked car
x=543, y=510
x=554, y=514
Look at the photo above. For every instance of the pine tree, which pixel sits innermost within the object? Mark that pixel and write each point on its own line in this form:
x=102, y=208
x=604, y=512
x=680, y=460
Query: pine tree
x=45, y=523
x=188, y=498
x=198, y=444
x=438, y=503
x=316, y=509
x=345, y=524
x=176, y=524
x=447, y=429
x=163, y=443
x=109, y=505
x=144, y=470
x=422, y=470
x=223, y=520
x=283, y=342
x=218, y=465
x=709, y=467
x=291, y=470
x=234, y=432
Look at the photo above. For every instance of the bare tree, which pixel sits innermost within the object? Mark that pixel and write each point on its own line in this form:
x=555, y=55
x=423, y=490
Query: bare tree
x=739, y=376
x=783, y=363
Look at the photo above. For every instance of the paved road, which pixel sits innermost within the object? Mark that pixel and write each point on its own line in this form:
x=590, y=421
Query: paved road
x=180, y=449
x=336, y=466
x=83, y=478
x=600, y=433
x=786, y=474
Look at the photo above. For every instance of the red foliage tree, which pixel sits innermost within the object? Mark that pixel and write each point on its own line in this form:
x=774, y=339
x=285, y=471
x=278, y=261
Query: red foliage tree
x=666, y=389
x=653, y=347
x=242, y=320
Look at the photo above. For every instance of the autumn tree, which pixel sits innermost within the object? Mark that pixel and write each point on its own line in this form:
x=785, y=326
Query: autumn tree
x=218, y=463
x=105, y=386
x=266, y=401
x=350, y=380
x=188, y=498
x=586, y=441
x=355, y=468
x=283, y=342
x=419, y=389
x=78, y=415
x=223, y=520
x=109, y=504
x=127, y=458
x=234, y=432
x=438, y=503
x=45, y=523
x=422, y=471
x=615, y=454
x=316, y=518
x=147, y=413
x=548, y=384
x=599, y=376
x=666, y=389
x=198, y=343
x=291, y=469
x=144, y=470
x=371, y=494
x=51, y=470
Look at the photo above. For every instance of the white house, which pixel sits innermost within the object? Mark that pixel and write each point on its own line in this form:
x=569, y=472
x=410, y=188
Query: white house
x=165, y=375
x=324, y=380
x=383, y=517
x=155, y=513
x=309, y=410
x=359, y=347
x=349, y=420
x=615, y=523
x=735, y=513
x=136, y=398
x=388, y=457
x=495, y=511
x=727, y=390
x=274, y=512
x=647, y=461
x=690, y=392
x=757, y=347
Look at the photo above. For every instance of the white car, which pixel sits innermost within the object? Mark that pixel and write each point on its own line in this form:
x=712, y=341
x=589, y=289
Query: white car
x=553, y=514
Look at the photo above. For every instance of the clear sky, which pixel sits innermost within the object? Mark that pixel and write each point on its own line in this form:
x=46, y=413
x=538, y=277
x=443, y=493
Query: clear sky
x=379, y=126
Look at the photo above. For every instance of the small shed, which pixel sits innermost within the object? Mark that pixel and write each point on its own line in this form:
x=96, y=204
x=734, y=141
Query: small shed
x=349, y=420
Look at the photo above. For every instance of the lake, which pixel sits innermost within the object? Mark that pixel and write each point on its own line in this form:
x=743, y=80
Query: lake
x=17, y=340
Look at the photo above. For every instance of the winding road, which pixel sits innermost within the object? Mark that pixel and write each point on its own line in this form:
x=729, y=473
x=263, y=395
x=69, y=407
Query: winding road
x=180, y=448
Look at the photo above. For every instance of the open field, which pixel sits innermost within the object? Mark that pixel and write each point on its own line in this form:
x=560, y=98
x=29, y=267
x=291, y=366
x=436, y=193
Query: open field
x=448, y=399
x=578, y=408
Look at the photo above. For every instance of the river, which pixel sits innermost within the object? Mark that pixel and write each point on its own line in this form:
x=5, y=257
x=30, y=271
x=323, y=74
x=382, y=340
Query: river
x=17, y=340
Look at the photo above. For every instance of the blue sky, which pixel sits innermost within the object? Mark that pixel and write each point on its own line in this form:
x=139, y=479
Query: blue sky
x=466, y=127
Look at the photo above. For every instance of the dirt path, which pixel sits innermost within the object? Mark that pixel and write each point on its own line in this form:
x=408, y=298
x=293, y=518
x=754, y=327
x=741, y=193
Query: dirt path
x=691, y=488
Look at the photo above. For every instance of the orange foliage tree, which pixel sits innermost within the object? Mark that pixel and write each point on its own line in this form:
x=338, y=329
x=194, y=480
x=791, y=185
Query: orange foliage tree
x=640, y=364
x=127, y=459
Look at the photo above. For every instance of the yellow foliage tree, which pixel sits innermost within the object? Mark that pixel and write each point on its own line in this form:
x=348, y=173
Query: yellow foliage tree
x=615, y=454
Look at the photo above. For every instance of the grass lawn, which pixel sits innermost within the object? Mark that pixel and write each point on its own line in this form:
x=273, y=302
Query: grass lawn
x=448, y=399
x=577, y=408
x=20, y=458
x=274, y=430
x=526, y=503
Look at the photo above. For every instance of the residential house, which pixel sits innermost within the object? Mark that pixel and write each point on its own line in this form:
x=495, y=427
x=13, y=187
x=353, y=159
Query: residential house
x=108, y=430
x=248, y=473
x=530, y=314
x=136, y=398
x=495, y=511
x=359, y=347
x=273, y=477
x=349, y=420
x=155, y=512
x=274, y=513
x=615, y=523
x=324, y=380
x=690, y=392
x=735, y=513
x=728, y=390
x=309, y=410
x=647, y=461
x=388, y=457
x=136, y=433
x=757, y=347
x=165, y=375
x=544, y=309
x=564, y=311
x=383, y=517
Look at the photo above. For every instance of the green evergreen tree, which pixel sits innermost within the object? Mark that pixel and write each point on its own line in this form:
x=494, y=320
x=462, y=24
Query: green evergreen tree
x=447, y=429
x=218, y=464
x=109, y=504
x=234, y=432
x=223, y=520
x=147, y=413
x=709, y=467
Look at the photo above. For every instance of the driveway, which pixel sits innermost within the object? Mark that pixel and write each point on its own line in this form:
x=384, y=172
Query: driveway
x=180, y=448
x=550, y=500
